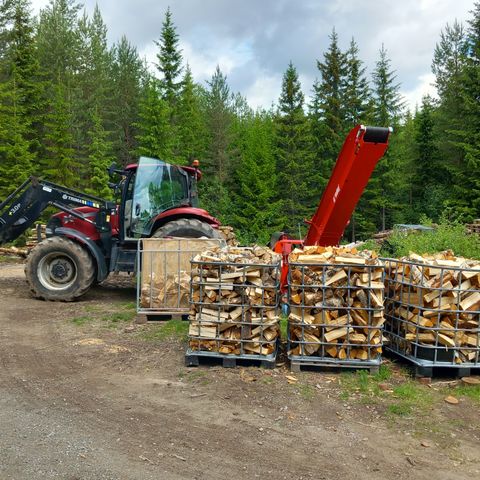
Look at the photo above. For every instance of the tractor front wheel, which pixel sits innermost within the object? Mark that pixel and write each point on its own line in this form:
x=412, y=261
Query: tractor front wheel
x=189, y=228
x=59, y=269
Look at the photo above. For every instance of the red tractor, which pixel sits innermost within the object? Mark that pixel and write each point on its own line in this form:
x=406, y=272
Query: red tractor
x=92, y=237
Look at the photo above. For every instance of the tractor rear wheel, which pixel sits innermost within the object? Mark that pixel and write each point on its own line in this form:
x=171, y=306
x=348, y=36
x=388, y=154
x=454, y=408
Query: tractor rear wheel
x=59, y=269
x=189, y=228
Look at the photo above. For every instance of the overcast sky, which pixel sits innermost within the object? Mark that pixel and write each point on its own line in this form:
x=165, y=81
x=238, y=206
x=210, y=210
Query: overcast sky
x=253, y=40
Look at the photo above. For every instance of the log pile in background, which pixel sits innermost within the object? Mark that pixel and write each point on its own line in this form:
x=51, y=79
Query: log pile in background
x=229, y=235
x=336, y=303
x=434, y=300
x=235, y=301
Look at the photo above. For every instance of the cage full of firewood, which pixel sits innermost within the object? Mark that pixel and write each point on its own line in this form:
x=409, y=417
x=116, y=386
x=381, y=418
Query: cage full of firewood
x=163, y=281
x=335, y=309
x=433, y=311
x=234, y=307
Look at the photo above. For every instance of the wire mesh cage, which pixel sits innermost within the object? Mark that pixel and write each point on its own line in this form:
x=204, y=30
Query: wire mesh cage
x=163, y=281
x=235, y=308
x=336, y=314
x=433, y=312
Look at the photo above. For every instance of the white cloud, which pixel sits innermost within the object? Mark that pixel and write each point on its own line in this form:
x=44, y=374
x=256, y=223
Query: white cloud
x=425, y=86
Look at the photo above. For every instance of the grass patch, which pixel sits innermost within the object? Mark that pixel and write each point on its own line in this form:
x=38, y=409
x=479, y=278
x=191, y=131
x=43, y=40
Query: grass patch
x=172, y=329
x=363, y=383
x=305, y=390
x=469, y=391
x=410, y=398
x=118, y=317
x=10, y=259
x=81, y=320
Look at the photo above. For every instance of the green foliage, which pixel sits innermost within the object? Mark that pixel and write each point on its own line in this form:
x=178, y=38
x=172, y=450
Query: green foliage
x=445, y=236
x=294, y=159
x=169, y=60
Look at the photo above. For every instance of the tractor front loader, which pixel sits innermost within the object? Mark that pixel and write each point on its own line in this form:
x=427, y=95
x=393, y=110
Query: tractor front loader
x=91, y=237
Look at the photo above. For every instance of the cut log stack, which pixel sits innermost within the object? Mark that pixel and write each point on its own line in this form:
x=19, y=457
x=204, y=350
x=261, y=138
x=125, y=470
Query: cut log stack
x=336, y=307
x=433, y=309
x=474, y=227
x=235, y=302
x=229, y=235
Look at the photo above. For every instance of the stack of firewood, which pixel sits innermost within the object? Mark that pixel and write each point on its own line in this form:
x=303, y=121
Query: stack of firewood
x=434, y=300
x=336, y=303
x=235, y=301
x=229, y=235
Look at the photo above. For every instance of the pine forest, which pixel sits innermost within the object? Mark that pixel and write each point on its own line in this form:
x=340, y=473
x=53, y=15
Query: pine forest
x=71, y=104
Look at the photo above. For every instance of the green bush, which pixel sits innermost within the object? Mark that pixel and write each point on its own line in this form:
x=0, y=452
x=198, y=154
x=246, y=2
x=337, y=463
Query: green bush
x=444, y=237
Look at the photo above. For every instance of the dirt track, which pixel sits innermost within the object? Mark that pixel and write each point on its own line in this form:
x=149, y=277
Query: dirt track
x=85, y=402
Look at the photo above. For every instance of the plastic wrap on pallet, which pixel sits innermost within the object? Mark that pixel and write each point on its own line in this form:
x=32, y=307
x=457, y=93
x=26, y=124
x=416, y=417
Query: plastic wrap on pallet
x=336, y=306
x=433, y=309
x=163, y=282
x=235, y=302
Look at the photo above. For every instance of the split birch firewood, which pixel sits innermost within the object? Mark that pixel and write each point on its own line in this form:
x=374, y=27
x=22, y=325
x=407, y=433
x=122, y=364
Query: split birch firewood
x=235, y=297
x=336, y=303
x=436, y=302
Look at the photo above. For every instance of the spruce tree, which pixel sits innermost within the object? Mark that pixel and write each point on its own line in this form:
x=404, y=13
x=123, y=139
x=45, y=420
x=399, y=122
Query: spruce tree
x=327, y=110
x=154, y=138
x=356, y=102
x=19, y=94
x=430, y=188
x=387, y=107
x=127, y=72
x=191, y=121
x=256, y=212
x=467, y=186
x=293, y=155
x=169, y=60
x=99, y=158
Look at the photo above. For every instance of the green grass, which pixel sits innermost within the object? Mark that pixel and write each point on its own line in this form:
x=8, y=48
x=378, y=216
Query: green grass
x=10, y=259
x=123, y=313
x=469, y=391
x=361, y=382
x=173, y=329
x=117, y=317
x=81, y=320
x=410, y=398
x=305, y=390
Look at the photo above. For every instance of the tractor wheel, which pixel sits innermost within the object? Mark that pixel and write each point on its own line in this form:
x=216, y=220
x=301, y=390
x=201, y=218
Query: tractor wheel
x=59, y=269
x=189, y=228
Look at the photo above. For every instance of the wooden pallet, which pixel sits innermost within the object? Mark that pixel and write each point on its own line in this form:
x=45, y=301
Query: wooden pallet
x=318, y=364
x=142, y=318
x=195, y=359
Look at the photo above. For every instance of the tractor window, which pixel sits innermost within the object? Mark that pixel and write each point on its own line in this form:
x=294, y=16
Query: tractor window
x=159, y=186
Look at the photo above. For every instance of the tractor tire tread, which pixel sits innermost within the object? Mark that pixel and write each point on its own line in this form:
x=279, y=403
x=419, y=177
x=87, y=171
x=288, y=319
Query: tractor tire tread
x=74, y=249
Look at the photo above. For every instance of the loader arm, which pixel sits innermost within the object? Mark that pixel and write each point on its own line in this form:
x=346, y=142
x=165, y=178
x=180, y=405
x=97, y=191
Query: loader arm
x=360, y=153
x=24, y=206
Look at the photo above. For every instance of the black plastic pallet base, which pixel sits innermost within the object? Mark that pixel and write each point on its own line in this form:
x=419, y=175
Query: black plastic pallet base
x=160, y=317
x=453, y=371
x=299, y=364
x=424, y=368
x=195, y=359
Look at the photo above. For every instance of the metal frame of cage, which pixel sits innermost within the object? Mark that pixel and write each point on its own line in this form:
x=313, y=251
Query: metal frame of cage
x=197, y=342
x=166, y=253
x=321, y=357
x=424, y=354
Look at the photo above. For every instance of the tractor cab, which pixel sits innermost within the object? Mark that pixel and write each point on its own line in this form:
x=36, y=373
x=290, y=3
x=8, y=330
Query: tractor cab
x=151, y=188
